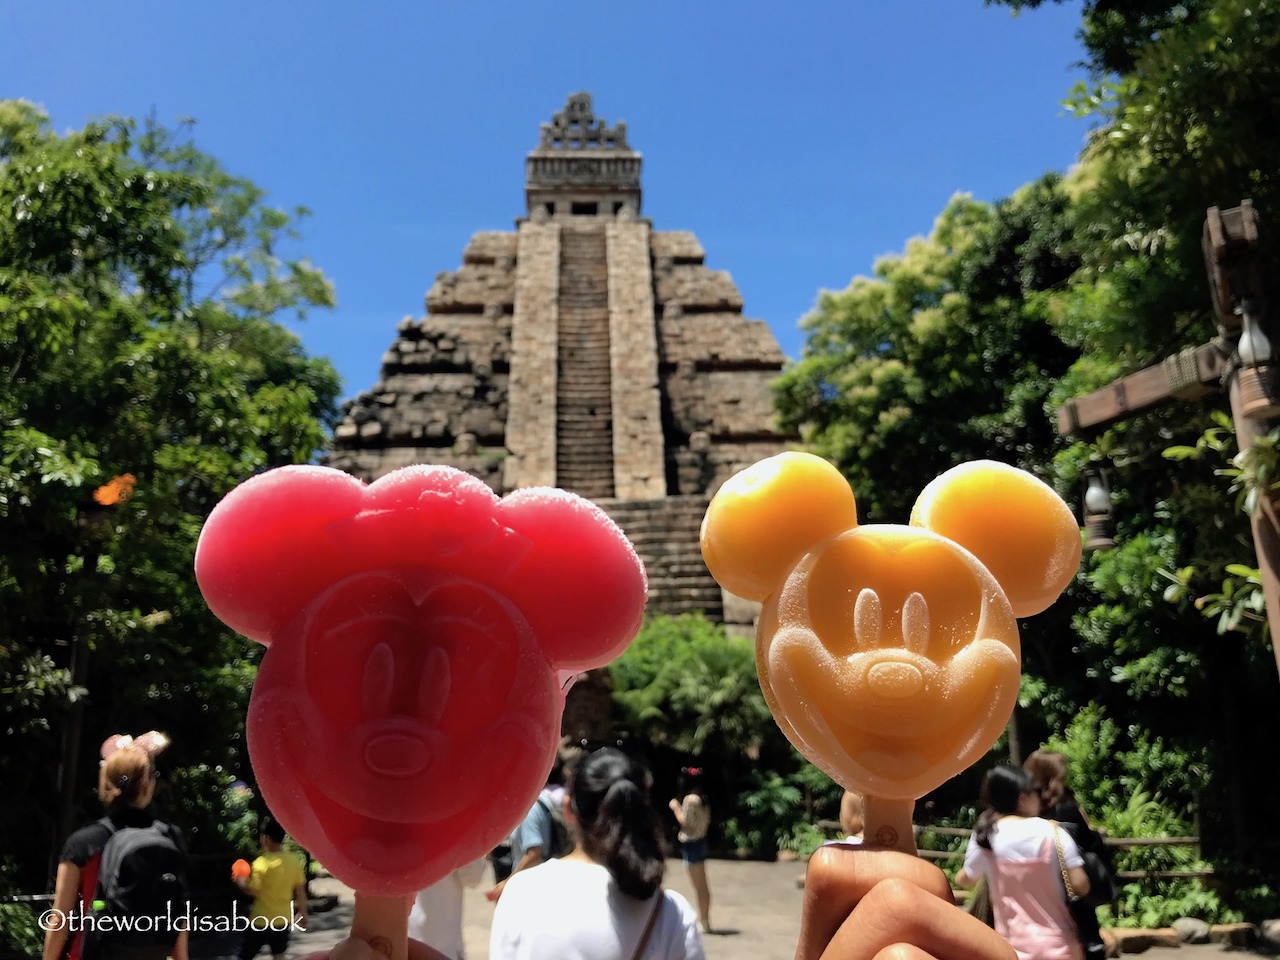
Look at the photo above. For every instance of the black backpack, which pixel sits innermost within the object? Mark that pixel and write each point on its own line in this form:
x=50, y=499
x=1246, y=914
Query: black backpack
x=142, y=884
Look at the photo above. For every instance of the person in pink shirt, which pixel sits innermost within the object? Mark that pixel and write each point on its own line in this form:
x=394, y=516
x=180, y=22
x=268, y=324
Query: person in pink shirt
x=1023, y=858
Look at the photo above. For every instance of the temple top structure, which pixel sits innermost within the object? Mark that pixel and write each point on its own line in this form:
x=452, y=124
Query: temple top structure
x=582, y=167
x=588, y=351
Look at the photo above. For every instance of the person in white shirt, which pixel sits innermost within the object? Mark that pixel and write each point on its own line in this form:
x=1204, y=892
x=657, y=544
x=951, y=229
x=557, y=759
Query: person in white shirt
x=1025, y=859
x=436, y=917
x=604, y=901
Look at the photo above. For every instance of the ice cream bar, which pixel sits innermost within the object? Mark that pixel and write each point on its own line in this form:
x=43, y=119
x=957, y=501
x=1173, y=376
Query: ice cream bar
x=240, y=870
x=889, y=654
x=420, y=632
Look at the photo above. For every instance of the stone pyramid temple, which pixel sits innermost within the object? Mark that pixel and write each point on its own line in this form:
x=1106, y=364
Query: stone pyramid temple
x=584, y=350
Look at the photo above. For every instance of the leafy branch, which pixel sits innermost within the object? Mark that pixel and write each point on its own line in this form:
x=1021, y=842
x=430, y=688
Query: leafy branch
x=1254, y=474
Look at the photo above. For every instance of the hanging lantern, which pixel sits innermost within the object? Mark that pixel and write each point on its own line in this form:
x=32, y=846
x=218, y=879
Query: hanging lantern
x=1098, y=527
x=1259, y=396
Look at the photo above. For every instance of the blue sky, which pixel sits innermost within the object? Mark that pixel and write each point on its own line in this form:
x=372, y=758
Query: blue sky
x=799, y=141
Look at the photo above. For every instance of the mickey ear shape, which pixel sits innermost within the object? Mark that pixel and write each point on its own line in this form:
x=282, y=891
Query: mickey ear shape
x=766, y=517
x=264, y=551
x=578, y=581
x=1020, y=529
x=117, y=741
x=152, y=743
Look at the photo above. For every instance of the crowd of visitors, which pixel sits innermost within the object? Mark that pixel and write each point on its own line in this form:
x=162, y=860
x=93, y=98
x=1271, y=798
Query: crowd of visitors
x=587, y=871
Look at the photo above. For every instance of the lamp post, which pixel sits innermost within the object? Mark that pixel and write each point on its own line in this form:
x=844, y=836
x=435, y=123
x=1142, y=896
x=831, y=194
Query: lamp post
x=1097, y=511
x=1256, y=375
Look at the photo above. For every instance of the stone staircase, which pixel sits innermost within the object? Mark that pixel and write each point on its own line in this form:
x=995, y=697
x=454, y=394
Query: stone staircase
x=665, y=534
x=584, y=413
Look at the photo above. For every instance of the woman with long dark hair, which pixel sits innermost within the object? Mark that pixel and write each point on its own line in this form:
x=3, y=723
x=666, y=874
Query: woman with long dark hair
x=1023, y=858
x=603, y=901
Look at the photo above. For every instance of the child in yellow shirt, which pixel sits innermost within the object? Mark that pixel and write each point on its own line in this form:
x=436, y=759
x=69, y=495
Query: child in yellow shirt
x=279, y=888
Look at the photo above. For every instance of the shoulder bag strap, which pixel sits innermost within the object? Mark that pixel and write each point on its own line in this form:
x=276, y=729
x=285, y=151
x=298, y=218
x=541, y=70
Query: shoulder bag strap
x=1062, y=863
x=648, y=927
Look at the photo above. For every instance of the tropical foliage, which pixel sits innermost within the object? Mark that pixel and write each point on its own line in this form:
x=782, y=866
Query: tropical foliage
x=687, y=688
x=144, y=372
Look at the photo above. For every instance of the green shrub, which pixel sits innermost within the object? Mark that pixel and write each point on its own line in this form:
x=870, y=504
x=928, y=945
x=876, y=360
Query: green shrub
x=19, y=932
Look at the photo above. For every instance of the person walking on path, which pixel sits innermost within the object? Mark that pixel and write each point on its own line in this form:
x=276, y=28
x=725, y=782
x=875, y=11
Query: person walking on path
x=1024, y=858
x=126, y=786
x=535, y=839
x=1049, y=776
x=279, y=888
x=604, y=901
x=436, y=916
x=693, y=814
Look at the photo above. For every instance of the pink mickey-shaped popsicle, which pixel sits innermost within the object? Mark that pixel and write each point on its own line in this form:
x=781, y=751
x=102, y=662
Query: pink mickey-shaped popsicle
x=419, y=633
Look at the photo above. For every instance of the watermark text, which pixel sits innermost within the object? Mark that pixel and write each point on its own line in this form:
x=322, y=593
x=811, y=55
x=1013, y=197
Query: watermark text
x=177, y=918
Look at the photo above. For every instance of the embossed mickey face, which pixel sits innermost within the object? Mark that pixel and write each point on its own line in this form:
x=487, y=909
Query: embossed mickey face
x=889, y=654
x=892, y=655
x=408, y=707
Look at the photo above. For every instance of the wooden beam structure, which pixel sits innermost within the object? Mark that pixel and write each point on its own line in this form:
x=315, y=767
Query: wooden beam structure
x=1188, y=375
x=1230, y=243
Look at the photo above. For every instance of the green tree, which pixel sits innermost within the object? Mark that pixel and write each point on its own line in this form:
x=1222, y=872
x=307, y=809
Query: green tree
x=1185, y=127
x=1181, y=99
x=140, y=352
x=686, y=684
x=961, y=348
x=1115, y=32
x=945, y=355
x=687, y=688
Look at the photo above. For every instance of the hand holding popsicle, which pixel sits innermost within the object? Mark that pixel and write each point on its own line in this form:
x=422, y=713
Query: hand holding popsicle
x=889, y=654
x=374, y=932
x=420, y=631
x=882, y=904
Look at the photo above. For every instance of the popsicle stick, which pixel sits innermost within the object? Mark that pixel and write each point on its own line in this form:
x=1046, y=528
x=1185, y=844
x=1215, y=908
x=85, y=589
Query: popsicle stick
x=383, y=923
x=887, y=823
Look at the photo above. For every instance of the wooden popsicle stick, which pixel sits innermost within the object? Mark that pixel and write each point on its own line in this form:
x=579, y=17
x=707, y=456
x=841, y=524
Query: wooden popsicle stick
x=383, y=923
x=887, y=824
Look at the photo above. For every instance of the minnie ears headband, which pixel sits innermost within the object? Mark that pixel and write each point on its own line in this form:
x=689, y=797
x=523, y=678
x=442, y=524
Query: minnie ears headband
x=150, y=743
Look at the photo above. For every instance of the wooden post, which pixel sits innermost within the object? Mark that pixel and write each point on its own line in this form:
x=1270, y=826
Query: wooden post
x=1231, y=242
x=1264, y=522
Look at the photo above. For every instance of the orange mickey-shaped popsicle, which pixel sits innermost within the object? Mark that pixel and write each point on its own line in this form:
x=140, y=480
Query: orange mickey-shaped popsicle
x=889, y=654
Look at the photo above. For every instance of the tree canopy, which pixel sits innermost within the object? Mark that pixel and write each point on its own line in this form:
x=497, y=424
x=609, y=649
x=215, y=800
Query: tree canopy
x=143, y=373
x=1115, y=32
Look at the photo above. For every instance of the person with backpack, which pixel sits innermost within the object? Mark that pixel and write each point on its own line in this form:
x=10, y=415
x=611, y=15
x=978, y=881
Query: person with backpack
x=543, y=834
x=1028, y=863
x=130, y=867
x=1048, y=771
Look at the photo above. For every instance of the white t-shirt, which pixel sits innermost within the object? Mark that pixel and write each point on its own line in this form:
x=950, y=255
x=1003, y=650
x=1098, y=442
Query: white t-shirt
x=1020, y=838
x=436, y=917
x=572, y=910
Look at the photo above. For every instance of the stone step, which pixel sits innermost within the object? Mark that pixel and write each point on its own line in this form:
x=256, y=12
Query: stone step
x=584, y=420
